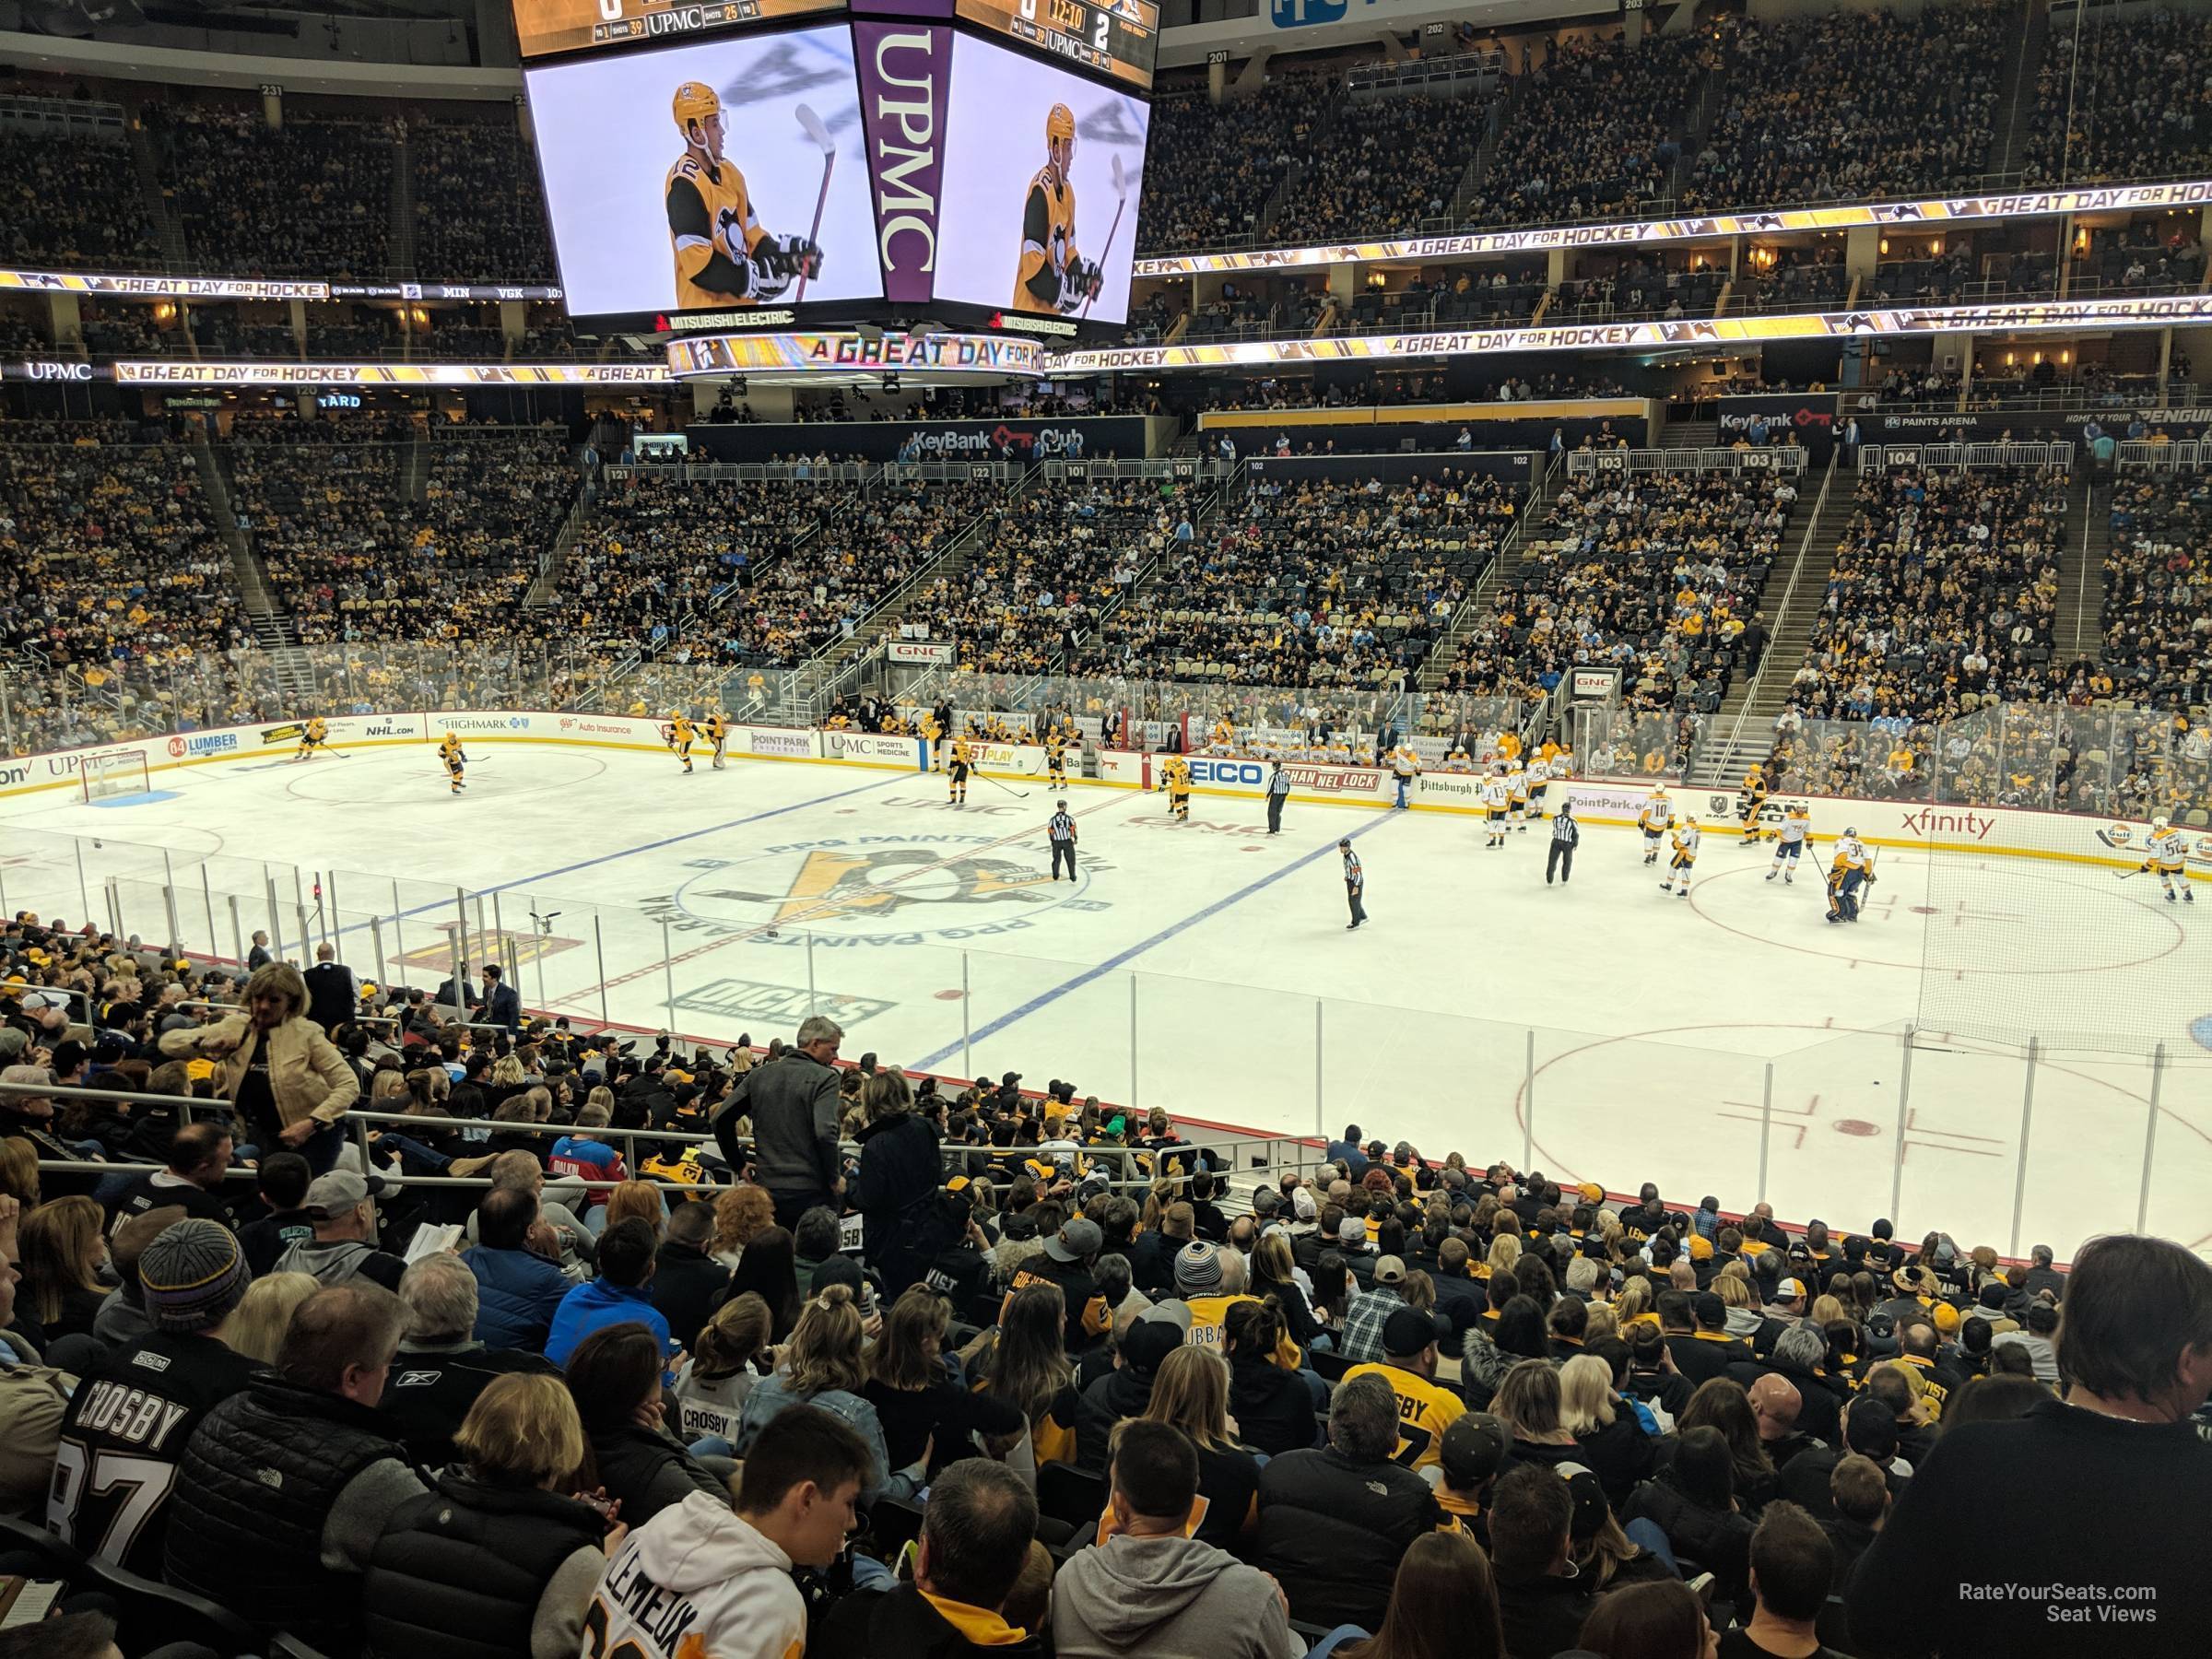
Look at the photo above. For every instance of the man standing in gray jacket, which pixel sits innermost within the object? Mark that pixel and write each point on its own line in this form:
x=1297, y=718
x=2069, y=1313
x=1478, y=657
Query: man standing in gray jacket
x=1148, y=1589
x=793, y=1103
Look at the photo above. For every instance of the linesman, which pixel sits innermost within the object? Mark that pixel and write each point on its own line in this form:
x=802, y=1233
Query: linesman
x=1060, y=829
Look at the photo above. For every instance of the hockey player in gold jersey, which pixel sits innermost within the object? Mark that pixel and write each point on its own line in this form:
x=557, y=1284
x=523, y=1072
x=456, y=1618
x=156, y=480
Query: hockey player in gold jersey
x=313, y=736
x=1055, y=757
x=722, y=257
x=956, y=768
x=1749, y=800
x=679, y=738
x=718, y=733
x=1051, y=276
x=1175, y=778
x=454, y=760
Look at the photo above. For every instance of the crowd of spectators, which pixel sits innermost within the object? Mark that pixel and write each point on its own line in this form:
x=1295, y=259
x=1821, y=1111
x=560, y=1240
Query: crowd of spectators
x=642, y=1388
x=355, y=559
x=1659, y=575
x=478, y=214
x=1210, y=168
x=69, y=205
x=2129, y=102
x=1393, y=160
x=1312, y=581
x=1640, y=285
x=1595, y=131
x=1063, y=554
x=112, y=568
x=1853, y=106
x=659, y=549
x=2158, y=588
x=311, y=198
x=1943, y=588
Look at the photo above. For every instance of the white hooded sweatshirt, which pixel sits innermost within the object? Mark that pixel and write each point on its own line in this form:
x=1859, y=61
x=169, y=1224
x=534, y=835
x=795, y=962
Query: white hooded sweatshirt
x=697, y=1581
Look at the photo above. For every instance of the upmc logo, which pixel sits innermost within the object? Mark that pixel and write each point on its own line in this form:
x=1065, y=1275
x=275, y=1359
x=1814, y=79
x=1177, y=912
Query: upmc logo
x=904, y=73
x=1305, y=14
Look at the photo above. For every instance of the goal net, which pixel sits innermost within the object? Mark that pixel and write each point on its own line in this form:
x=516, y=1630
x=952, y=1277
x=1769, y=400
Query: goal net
x=121, y=773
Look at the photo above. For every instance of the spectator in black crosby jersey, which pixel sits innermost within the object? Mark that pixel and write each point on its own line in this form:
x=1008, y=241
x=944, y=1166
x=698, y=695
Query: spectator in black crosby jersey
x=131, y=1416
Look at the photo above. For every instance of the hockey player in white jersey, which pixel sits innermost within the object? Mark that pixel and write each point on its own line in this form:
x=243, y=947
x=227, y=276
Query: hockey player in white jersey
x=1497, y=797
x=1516, y=794
x=1656, y=819
x=1796, y=822
x=2167, y=852
x=1685, y=855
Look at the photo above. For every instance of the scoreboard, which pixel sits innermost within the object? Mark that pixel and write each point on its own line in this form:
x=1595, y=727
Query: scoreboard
x=1117, y=37
x=544, y=27
x=1112, y=37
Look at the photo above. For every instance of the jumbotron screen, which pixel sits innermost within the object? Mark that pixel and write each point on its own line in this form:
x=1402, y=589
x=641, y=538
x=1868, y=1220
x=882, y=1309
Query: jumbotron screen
x=895, y=168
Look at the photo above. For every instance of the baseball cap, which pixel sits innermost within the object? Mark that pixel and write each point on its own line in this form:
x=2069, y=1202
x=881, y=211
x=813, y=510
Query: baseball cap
x=1150, y=1340
x=1587, y=1494
x=1406, y=1332
x=1947, y=1319
x=1709, y=1307
x=332, y=1195
x=1701, y=1247
x=1473, y=1448
x=1076, y=1241
x=191, y=1276
x=1390, y=1270
x=1591, y=1192
x=1303, y=1206
x=1790, y=1289
x=1352, y=1231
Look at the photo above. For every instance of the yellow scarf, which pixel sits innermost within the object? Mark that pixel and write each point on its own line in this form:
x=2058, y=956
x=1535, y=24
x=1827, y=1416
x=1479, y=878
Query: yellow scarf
x=979, y=1625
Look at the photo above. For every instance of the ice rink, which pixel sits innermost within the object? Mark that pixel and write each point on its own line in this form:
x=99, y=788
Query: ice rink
x=1602, y=1030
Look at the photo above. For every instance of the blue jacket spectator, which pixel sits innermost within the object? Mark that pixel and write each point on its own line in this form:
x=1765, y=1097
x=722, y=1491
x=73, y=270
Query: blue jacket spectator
x=518, y=1292
x=617, y=1297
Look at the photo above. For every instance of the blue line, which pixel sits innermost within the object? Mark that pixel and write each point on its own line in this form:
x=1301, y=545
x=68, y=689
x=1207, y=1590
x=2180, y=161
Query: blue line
x=1116, y=960
x=644, y=847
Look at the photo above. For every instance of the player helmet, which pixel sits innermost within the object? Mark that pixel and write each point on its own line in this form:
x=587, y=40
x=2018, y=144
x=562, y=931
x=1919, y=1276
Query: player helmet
x=1849, y=830
x=695, y=100
x=1059, y=124
x=2160, y=822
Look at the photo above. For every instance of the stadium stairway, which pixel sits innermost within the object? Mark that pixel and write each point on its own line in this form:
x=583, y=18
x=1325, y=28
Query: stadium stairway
x=403, y=206
x=273, y=629
x=1743, y=730
x=2077, y=628
x=546, y=590
x=879, y=624
x=1690, y=434
x=1446, y=649
x=2020, y=120
x=155, y=203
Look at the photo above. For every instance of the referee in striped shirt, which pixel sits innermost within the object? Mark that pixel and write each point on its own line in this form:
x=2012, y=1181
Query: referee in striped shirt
x=1355, y=882
x=1061, y=829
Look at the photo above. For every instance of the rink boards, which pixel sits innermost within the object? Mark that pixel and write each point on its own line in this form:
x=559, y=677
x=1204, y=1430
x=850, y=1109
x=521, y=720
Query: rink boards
x=2004, y=832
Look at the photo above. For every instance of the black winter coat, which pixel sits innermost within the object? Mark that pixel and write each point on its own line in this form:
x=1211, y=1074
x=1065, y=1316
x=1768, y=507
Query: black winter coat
x=459, y=1573
x=900, y=1232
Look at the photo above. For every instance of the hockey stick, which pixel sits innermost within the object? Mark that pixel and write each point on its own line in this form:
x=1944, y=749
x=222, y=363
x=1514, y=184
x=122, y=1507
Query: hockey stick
x=986, y=777
x=2131, y=874
x=1121, y=192
x=812, y=123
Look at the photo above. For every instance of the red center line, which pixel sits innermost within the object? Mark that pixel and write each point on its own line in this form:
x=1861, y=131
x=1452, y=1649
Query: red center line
x=820, y=906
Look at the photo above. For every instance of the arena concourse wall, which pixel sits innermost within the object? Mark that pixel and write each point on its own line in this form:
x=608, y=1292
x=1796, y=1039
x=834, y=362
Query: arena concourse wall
x=1998, y=832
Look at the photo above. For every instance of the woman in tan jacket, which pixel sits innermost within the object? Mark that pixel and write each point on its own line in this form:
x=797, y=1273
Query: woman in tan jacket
x=276, y=1068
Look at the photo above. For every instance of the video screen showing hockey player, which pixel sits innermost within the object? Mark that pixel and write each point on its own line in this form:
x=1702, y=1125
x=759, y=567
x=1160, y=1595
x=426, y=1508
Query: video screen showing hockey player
x=1042, y=177
x=722, y=257
x=714, y=176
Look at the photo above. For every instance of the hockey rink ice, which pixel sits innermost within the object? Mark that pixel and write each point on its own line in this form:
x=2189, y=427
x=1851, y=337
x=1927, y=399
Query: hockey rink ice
x=1602, y=1030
